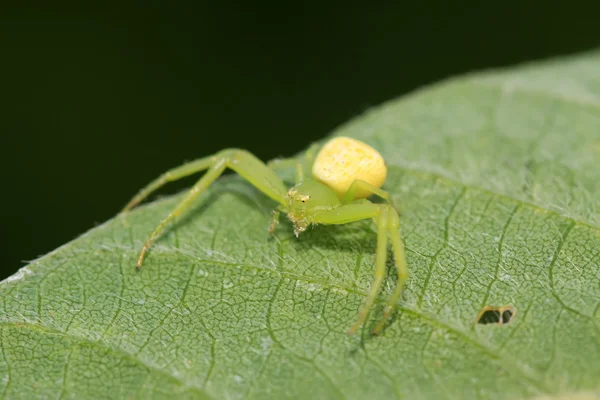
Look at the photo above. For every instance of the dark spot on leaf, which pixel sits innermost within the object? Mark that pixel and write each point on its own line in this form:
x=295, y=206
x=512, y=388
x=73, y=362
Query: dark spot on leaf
x=496, y=315
x=489, y=317
x=507, y=315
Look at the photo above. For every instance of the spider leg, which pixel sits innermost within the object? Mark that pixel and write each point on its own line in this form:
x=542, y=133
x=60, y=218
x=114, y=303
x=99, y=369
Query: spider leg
x=256, y=172
x=211, y=175
x=401, y=268
x=245, y=164
x=169, y=176
x=288, y=163
x=348, y=213
x=281, y=163
x=274, y=221
x=388, y=222
x=303, y=167
x=299, y=172
x=309, y=156
x=380, y=261
x=360, y=185
x=356, y=212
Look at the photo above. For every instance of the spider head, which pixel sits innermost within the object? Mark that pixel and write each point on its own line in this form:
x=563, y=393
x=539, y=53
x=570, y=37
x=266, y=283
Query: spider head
x=306, y=199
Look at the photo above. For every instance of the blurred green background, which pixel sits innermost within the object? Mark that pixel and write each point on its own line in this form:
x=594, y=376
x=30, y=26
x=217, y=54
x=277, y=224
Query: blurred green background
x=98, y=100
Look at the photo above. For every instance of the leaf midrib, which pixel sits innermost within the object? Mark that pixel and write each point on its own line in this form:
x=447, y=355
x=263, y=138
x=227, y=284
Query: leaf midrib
x=468, y=186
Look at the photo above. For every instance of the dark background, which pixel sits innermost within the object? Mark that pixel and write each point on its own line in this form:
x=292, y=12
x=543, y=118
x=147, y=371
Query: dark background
x=94, y=103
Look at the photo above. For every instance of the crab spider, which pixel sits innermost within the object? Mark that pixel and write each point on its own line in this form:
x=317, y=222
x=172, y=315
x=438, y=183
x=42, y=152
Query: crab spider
x=344, y=173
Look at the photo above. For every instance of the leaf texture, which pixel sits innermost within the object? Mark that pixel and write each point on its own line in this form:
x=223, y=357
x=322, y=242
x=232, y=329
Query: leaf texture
x=497, y=176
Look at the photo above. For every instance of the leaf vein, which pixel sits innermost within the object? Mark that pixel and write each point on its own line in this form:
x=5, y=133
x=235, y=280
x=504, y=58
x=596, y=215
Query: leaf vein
x=63, y=388
x=500, y=256
x=95, y=343
x=561, y=241
x=8, y=368
x=449, y=179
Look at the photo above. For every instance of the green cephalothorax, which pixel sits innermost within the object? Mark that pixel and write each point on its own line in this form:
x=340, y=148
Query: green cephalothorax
x=306, y=199
x=345, y=172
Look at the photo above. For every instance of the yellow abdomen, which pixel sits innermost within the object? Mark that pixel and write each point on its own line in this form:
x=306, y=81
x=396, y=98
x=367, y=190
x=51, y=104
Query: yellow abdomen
x=343, y=160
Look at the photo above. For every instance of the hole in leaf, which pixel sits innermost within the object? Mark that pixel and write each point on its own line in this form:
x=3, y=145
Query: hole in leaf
x=496, y=315
x=489, y=317
x=507, y=315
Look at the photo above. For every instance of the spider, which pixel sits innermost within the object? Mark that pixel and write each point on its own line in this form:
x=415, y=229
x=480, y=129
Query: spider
x=344, y=173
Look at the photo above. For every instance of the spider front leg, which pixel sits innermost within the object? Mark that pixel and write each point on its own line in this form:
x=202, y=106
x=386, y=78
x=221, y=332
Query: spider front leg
x=242, y=162
x=302, y=168
x=171, y=175
x=274, y=220
x=388, y=222
x=359, y=188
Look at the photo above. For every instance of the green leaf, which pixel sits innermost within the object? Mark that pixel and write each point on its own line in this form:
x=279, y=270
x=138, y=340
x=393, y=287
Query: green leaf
x=498, y=179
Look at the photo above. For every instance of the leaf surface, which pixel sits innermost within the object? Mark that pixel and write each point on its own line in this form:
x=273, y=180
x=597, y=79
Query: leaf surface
x=497, y=176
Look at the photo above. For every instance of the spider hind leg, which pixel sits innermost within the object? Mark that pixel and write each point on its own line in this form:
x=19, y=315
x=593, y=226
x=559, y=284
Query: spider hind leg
x=388, y=223
x=401, y=269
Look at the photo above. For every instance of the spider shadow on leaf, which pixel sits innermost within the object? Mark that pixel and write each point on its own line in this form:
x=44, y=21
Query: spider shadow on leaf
x=356, y=239
x=366, y=333
x=351, y=239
